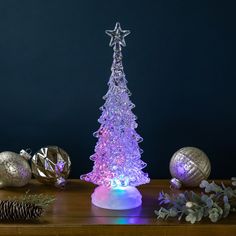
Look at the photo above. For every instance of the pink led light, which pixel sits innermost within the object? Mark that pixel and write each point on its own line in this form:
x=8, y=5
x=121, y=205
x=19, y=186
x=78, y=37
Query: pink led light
x=117, y=157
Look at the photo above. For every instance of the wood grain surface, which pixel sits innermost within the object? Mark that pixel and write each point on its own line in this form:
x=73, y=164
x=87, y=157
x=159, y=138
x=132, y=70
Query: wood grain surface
x=73, y=214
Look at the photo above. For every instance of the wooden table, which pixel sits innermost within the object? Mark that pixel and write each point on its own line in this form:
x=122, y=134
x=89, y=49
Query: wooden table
x=73, y=214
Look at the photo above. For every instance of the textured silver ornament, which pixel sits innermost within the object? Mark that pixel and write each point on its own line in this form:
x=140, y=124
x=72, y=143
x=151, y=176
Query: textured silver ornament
x=51, y=165
x=14, y=169
x=189, y=166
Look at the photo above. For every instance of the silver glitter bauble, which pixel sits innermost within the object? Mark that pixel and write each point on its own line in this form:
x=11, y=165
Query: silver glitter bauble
x=14, y=169
x=189, y=166
x=51, y=165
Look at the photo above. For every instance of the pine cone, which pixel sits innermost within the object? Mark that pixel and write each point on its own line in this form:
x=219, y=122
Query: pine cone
x=14, y=210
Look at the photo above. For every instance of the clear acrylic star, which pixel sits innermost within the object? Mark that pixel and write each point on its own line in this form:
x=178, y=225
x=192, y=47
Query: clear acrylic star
x=117, y=35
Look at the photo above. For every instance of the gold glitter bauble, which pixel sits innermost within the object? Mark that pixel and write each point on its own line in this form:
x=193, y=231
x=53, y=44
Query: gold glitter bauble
x=14, y=169
x=51, y=165
x=189, y=166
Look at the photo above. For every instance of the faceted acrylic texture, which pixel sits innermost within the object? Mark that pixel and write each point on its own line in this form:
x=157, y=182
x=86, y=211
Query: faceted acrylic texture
x=117, y=154
x=51, y=165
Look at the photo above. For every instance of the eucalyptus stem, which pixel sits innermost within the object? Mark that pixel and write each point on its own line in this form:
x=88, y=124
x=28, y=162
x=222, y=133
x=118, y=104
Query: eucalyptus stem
x=216, y=202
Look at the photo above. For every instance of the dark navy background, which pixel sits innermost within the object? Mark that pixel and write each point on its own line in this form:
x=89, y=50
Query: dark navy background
x=179, y=61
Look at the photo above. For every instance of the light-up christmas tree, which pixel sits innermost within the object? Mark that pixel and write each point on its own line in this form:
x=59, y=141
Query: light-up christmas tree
x=117, y=164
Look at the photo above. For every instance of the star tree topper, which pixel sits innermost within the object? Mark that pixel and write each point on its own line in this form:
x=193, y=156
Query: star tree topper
x=117, y=158
x=117, y=35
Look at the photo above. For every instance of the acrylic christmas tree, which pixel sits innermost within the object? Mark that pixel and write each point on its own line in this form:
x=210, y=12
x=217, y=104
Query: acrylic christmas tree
x=117, y=164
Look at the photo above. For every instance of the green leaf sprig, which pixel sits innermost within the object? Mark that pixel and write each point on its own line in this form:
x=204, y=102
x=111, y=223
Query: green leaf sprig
x=216, y=202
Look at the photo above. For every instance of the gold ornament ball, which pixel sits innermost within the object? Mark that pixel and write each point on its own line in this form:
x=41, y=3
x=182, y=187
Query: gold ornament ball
x=51, y=165
x=189, y=166
x=15, y=170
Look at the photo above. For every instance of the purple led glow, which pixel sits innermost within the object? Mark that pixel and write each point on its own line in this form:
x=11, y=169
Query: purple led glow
x=59, y=167
x=117, y=154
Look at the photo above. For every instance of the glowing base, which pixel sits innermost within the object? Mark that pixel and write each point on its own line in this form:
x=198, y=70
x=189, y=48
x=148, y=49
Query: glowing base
x=116, y=198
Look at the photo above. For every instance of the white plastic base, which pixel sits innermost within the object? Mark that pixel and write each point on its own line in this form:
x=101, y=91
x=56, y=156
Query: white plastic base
x=116, y=198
